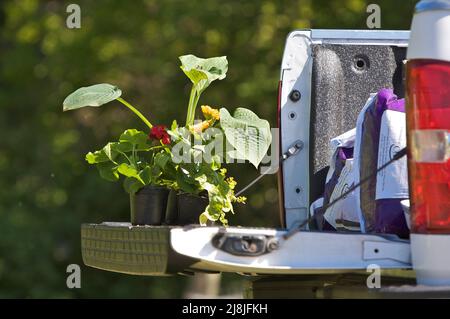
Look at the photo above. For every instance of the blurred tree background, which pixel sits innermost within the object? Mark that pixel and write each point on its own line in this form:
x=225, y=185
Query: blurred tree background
x=47, y=189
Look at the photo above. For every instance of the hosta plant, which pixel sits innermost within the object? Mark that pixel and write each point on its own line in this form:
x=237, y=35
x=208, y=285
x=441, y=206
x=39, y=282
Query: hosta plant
x=186, y=158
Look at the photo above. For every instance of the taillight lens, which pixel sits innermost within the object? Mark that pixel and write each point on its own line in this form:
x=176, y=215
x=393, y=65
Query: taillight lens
x=428, y=122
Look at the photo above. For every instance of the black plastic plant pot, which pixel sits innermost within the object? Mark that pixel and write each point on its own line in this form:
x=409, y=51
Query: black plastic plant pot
x=148, y=205
x=184, y=209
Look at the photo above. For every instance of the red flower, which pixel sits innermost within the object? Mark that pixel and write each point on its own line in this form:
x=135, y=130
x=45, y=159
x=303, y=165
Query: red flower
x=166, y=139
x=158, y=132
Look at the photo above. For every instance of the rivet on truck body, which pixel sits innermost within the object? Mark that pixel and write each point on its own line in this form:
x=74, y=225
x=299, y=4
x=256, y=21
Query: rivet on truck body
x=295, y=96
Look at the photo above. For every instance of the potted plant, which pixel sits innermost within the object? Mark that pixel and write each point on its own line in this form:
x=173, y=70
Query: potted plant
x=175, y=175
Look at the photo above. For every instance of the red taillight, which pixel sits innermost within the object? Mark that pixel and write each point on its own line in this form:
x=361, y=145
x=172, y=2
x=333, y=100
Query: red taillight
x=428, y=120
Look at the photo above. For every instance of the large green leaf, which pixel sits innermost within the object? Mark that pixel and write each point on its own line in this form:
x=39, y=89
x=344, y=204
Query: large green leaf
x=134, y=137
x=94, y=95
x=110, y=151
x=129, y=171
x=247, y=133
x=133, y=180
x=97, y=157
x=185, y=184
x=132, y=185
x=161, y=159
x=146, y=175
x=108, y=171
x=204, y=71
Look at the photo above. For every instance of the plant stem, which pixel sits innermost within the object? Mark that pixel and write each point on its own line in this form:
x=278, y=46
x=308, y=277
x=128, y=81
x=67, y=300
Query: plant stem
x=193, y=100
x=155, y=147
x=135, y=111
x=197, y=97
x=129, y=161
x=133, y=156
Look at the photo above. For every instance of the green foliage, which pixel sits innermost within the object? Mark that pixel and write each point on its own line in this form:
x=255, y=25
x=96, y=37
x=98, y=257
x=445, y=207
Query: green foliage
x=133, y=156
x=201, y=72
x=97, y=95
x=199, y=176
x=221, y=196
x=247, y=133
x=204, y=71
x=94, y=95
x=133, y=139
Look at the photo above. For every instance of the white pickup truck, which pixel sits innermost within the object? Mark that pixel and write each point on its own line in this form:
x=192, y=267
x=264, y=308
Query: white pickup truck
x=323, y=72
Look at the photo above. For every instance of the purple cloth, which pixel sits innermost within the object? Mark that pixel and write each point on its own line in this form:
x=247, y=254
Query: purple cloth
x=384, y=215
x=389, y=218
x=342, y=154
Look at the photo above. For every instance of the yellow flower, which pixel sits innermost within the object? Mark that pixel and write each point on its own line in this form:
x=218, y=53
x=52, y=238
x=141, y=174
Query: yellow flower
x=200, y=127
x=231, y=182
x=210, y=113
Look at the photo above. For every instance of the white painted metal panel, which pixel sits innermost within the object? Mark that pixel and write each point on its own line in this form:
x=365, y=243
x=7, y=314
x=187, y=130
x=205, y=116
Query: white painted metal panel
x=304, y=252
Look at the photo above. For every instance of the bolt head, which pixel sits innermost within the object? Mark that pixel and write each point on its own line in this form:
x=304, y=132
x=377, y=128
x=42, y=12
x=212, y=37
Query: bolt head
x=295, y=95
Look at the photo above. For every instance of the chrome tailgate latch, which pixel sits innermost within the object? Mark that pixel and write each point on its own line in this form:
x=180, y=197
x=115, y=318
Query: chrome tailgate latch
x=245, y=245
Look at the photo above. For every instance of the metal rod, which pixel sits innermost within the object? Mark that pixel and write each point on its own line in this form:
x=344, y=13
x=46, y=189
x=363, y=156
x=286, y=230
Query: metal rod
x=292, y=150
